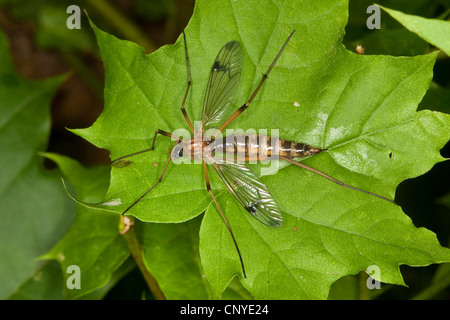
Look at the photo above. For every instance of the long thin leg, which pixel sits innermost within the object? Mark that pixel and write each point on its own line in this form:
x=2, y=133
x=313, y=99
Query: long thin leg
x=148, y=191
x=304, y=166
x=188, y=67
x=208, y=186
x=265, y=76
x=158, y=131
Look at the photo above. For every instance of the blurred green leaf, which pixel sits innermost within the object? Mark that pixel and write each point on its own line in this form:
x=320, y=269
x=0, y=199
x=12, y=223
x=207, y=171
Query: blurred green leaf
x=399, y=42
x=434, y=31
x=392, y=38
x=35, y=211
x=45, y=284
x=171, y=254
x=49, y=18
x=153, y=9
x=424, y=8
x=362, y=109
x=441, y=281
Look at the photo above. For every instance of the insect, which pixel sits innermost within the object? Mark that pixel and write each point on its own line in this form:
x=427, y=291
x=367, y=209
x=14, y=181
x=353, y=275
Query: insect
x=242, y=183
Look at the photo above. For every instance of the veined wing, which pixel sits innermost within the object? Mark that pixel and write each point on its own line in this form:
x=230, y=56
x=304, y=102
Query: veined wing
x=251, y=193
x=222, y=84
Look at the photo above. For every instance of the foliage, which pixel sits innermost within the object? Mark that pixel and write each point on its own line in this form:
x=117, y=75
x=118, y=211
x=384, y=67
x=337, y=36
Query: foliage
x=35, y=211
x=360, y=108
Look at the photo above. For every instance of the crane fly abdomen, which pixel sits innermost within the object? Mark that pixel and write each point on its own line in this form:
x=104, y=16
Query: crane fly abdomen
x=255, y=147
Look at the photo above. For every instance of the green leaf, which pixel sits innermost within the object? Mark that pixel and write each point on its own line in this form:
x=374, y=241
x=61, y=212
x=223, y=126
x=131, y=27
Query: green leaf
x=93, y=243
x=35, y=211
x=362, y=109
x=434, y=31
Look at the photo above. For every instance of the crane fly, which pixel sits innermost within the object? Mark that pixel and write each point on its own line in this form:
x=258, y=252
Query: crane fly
x=242, y=183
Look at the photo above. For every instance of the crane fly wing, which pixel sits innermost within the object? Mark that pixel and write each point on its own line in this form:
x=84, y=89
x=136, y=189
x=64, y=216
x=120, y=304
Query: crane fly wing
x=222, y=84
x=251, y=193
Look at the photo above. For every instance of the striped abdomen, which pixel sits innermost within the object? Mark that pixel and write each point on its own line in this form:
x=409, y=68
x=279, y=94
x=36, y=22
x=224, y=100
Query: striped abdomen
x=292, y=149
x=258, y=147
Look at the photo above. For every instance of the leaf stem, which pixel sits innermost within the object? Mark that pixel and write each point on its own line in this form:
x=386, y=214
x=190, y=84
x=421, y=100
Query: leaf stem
x=128, y=231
